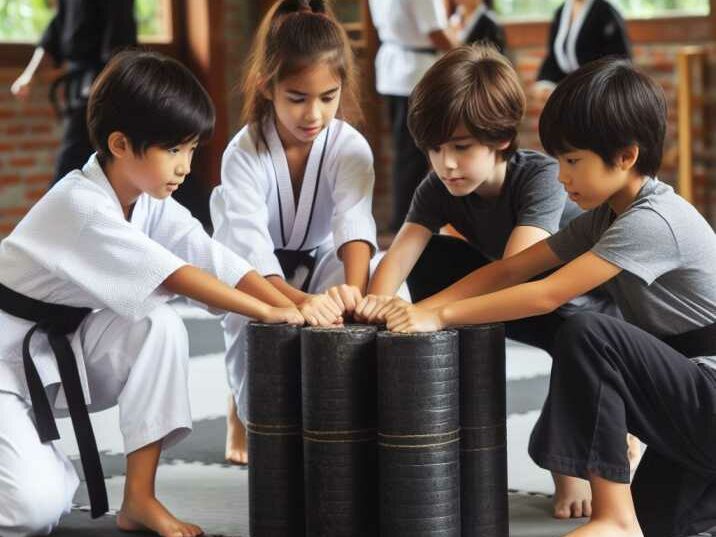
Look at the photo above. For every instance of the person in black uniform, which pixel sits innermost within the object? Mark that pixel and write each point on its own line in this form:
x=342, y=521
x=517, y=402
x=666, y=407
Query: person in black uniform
x=83, y=35
x=582, y=31
x=476, y=22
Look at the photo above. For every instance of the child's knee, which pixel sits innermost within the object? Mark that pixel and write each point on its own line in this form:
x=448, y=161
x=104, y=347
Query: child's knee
x=34, y=504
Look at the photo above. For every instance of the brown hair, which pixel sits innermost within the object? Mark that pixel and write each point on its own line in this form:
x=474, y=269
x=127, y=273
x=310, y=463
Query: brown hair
x=474, y=85
x=293, y=35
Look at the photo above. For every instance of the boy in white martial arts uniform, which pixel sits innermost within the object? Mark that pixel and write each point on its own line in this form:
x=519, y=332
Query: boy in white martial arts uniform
x=296, y=183
x=91, y=266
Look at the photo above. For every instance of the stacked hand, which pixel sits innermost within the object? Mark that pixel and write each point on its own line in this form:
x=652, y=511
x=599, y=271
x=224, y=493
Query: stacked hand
x=401, y=316
x=370, y=309
x=321, y=310
x=346, y=297
x=283, y=315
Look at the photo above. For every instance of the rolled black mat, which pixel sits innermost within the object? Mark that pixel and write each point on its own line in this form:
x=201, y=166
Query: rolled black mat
x=338, y=371
x=274, y=431
x=419, y=434
x=483, y=446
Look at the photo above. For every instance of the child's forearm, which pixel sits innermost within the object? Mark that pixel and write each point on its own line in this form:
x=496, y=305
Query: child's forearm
x=294, y=295
x=258, y=287
x=525, y=300
x=388, y=276
x=497, y=275
x=356, y=263
x=201, y=286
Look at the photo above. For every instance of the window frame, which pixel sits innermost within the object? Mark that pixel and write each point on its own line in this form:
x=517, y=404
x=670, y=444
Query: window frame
x=16, y=55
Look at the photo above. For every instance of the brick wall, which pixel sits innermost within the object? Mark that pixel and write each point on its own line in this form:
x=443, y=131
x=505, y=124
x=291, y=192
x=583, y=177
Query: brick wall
x=29, y=139
x=29, y=132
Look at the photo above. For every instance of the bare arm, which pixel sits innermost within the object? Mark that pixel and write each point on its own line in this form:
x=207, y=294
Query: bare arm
x=356, y=263
x=21, y=87
x=258, y=287
x=400, y=259
x=522, y=237
x=294, y=295
x=533, y=298
x=525, y=300
x=201, y=286
x=444, y=40
x=503, y=273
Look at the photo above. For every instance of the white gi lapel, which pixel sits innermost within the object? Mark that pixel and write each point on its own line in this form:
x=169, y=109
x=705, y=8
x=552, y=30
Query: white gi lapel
x=287, y=205
x=574, y=34
x=308, y=194
x=561, y=38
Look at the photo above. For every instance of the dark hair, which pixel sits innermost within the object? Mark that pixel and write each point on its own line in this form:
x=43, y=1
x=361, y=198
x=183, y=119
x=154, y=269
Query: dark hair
x=293, y=35
x=150, y=98
x=474, y=85
x=604, y=107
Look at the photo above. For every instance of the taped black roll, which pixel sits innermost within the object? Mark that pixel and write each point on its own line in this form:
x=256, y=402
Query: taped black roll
x=419, y=434
x=483, y=446
x=338, y=371
x=275, y=445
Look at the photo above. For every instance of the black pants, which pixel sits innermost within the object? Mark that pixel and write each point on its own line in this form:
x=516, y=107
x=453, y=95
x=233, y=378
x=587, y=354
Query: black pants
x=410, y=165
x=447, y=260
x=609, y=378
x=75, y=148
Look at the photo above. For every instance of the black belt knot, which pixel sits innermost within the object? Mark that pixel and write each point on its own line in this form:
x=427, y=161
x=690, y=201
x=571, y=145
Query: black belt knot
x=290, y=260
x=57, y=322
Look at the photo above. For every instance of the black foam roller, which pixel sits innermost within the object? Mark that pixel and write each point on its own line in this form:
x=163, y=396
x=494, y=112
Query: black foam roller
x=339, y=431
x=274, y=431
x=418, y=434
x=483, y=446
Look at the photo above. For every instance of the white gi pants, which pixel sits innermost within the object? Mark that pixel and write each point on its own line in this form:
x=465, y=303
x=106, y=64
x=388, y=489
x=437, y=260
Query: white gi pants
x=140, y=365
x=329, y=272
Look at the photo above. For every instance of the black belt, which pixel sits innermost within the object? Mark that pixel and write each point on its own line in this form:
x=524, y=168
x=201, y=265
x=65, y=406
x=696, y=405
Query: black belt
x=694, y=343
x=75, y=85
x=58, y=321
x=290, y=260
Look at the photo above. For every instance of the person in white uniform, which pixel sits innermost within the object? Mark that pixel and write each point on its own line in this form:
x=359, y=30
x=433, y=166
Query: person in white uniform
x=84, y=279
x=296, y=183
x=412, y=33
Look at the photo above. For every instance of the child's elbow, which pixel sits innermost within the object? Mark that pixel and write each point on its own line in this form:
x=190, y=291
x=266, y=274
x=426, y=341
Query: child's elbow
x=549, y=301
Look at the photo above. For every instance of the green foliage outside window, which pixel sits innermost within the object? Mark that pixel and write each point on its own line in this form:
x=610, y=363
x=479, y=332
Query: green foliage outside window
x=23, y=21
x=633, y=9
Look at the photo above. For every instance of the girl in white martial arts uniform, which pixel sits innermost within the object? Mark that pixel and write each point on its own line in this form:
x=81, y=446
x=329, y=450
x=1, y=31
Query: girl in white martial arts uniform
x=90, y=267
x=296, y=183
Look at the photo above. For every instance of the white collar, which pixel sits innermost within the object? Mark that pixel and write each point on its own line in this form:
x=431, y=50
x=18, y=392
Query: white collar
x=568, y=33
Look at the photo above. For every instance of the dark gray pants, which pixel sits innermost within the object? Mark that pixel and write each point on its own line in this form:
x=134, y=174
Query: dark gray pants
x=410, y=165
x=609, y=378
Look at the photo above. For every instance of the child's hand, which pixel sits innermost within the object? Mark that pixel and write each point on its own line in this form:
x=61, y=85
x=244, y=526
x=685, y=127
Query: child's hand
x=284, y=315
x=346, y=297
x=320, y=310
x=409, y=318
x=368, y=310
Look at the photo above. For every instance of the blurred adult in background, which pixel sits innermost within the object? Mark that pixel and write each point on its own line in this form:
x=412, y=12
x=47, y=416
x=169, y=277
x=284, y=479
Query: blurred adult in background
x=581, y=31
x=412, y=35
x=475, y=21
x=82, y=36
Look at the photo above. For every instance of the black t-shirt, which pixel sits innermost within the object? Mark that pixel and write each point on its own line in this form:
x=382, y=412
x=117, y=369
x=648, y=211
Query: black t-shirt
x=89, y=31
x=531, y=196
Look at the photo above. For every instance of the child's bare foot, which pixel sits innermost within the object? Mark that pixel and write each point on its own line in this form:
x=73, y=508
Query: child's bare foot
x=633, y=452
x=236, y=450
x=607, y=528
x=572, y=497
x=148, y=514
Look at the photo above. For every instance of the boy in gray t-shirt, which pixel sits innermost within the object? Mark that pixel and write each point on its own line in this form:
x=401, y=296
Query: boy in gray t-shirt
x=656, y=256
x=465, y=114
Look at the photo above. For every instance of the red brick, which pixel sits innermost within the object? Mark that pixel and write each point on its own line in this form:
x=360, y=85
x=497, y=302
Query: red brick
x=35, y=194
x=7, y=180
x=38, y=178
x=40, y=145
x=22, y=162
x=14, y=212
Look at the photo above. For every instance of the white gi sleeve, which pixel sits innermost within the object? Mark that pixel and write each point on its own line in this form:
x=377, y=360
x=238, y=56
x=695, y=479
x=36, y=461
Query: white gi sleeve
x=118, y=264
x=239, y=211
x=430, y=15
x=352, y=193
x=173, y=226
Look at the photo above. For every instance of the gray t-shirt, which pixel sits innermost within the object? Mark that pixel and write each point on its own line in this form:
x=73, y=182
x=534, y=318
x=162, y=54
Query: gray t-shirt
x=531, y=196
x=667, y=253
